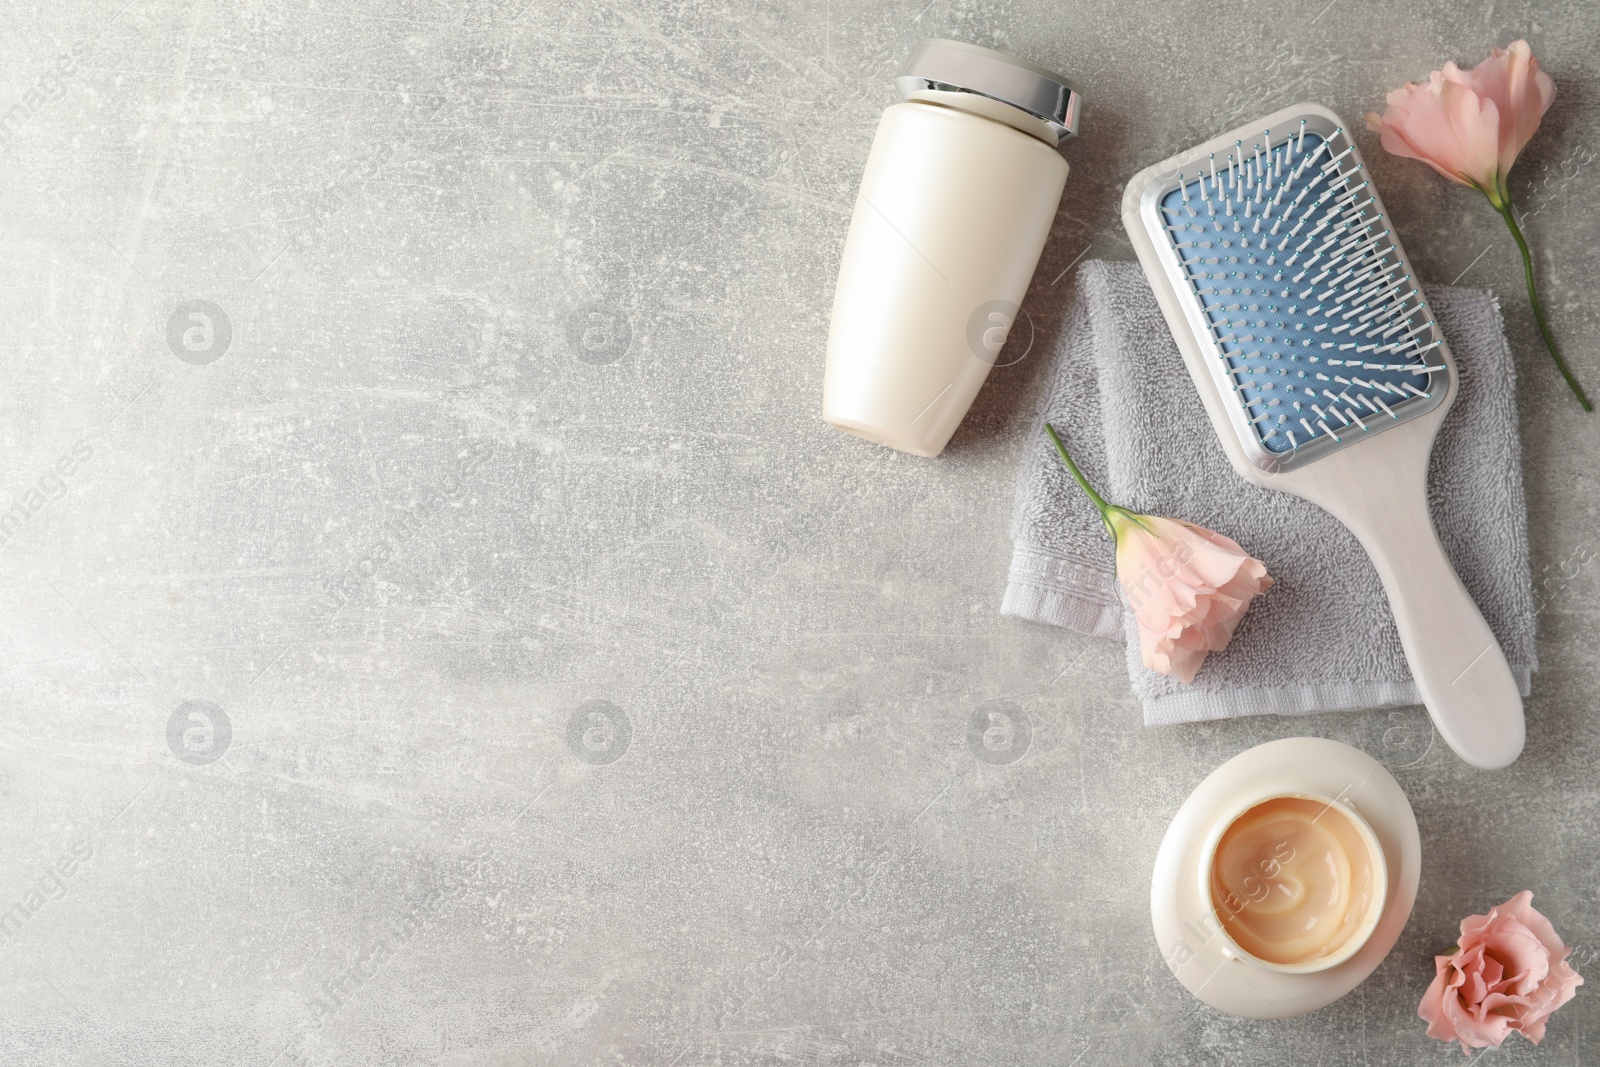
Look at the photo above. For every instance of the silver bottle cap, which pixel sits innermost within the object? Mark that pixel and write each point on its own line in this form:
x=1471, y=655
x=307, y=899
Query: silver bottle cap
x=939, y=66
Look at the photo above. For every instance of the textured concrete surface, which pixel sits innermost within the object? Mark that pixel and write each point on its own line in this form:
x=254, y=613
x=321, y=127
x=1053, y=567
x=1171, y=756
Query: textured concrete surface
x=441, y=629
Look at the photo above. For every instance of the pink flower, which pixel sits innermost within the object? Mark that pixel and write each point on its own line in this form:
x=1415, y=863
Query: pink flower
x=1470, y=126
x=1509, y=972
x=1187, y=585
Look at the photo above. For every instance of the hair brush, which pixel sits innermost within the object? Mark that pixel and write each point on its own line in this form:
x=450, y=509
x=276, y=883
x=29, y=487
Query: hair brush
x=1325, y=376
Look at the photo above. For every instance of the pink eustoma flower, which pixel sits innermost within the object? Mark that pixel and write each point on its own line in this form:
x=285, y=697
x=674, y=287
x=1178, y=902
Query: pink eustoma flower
x=1188, y=586
x=1509, y=972
x=1470, y=126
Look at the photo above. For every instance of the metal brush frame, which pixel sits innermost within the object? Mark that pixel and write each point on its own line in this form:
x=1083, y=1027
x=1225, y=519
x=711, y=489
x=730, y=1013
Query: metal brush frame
x=1151, y=186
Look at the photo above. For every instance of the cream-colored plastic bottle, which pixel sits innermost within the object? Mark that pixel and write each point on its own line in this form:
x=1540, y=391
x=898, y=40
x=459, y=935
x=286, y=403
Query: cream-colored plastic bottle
x=960, y=188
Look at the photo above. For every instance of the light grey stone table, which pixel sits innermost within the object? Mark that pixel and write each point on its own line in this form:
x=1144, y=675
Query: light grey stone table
x=440, y=629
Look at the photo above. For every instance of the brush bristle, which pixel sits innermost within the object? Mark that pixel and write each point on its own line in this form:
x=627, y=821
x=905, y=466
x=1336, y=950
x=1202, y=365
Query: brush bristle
x=1322, y=332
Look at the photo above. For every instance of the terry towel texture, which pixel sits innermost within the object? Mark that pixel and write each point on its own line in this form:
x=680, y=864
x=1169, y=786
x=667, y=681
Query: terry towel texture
x=1322, y=638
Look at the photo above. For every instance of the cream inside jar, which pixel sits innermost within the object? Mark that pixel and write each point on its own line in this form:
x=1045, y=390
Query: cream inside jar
x=1297, y=882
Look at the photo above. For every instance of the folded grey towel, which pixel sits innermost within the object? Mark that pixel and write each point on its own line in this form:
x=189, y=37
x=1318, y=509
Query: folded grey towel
x=1322, y=638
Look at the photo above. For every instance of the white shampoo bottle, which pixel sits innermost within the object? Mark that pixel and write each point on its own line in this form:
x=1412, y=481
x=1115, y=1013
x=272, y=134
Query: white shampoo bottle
x=960, y=188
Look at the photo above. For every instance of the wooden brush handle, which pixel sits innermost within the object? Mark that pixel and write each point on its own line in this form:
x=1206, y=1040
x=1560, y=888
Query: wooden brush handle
x=1460, y=671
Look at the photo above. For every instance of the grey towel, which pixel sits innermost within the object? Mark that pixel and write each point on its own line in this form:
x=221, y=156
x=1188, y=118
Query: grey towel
x=1322, y=638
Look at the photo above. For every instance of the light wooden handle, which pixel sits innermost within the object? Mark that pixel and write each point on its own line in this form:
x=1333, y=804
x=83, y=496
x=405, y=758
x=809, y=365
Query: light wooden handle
x=1460, y=671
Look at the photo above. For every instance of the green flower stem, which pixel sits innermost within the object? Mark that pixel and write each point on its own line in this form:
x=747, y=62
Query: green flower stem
x=1106, y=510
x=1502, y=204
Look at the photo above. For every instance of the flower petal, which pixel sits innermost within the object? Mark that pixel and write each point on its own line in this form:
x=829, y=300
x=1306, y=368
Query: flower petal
x=1522, y=93
x=1445, y=125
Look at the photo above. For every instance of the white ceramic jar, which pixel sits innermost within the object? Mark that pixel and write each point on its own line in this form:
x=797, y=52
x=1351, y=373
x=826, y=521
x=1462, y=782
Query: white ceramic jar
x=1194, y=930
x=960, y=189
